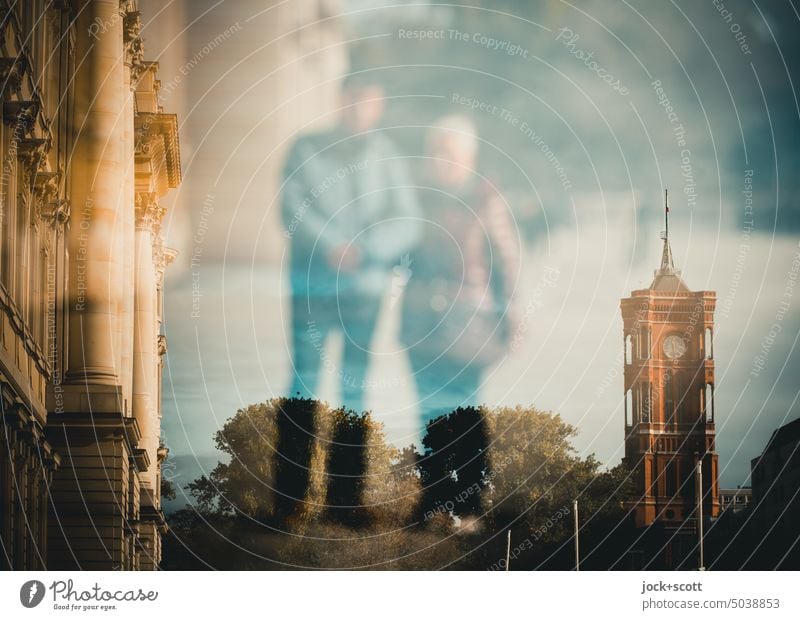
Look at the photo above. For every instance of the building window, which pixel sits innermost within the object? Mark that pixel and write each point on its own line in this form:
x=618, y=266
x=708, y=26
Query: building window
x=669, y=401
x=680, y=395
x=628, y=408
x=23, y=252
x=708, y=344
x=32, y=284
x=644, y=344
x=628, y=350
x=646, y=401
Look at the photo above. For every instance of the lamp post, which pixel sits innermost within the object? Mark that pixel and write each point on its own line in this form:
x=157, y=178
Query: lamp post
x=577, y=549
x=699, y=487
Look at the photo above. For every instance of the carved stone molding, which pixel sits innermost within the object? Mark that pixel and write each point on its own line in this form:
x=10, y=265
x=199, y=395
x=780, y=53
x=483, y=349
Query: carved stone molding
x=134, y=49
x=170, y=254
x=162, y=344
x=163, y=256
x=21, y=115
x=46, y=186
x=12, y=72
x=50, y=209
x=31, y=153
x=145, y=143
x=149, y=211
x=59, y=212
x=158, y=256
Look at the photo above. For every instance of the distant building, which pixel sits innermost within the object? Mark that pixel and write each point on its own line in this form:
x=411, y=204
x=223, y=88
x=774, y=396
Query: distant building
x=775, y=477
x=735, y=499
x=669, y=397
x=87, y=154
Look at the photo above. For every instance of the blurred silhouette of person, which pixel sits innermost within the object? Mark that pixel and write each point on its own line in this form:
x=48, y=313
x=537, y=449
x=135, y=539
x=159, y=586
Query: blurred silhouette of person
x=350, y=214
x=458, y=313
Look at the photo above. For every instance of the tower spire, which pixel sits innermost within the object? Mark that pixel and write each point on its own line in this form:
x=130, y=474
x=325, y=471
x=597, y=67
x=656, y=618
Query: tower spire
x=667, y=267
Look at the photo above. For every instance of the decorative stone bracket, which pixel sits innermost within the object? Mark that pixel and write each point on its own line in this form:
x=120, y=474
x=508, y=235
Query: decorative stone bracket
x=12, y=72
x=49, y=207
x=134, y=50
x=21, y=115
x=162, y=344
x=31, y=154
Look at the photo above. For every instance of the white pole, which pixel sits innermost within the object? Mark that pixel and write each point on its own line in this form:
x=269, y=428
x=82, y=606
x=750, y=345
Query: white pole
x=577, y=550
x=699, y=485
x=508, y=550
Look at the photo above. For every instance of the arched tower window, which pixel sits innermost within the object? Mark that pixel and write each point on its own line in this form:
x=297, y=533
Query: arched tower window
x=680, y=400
x=669, y=401
x=708, y=344
x=703, y=402
x=628, y=408
x=644, y=344
x=646, y=406
x=628, y=349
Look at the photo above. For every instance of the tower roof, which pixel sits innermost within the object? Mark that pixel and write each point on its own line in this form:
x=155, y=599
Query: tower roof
x=666, y=278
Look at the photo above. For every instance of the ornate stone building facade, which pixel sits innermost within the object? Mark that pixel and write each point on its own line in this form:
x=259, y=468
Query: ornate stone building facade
x=87, y=153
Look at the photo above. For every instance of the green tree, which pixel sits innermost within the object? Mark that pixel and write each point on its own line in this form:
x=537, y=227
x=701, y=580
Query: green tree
x=523, y=474
x=308, y=486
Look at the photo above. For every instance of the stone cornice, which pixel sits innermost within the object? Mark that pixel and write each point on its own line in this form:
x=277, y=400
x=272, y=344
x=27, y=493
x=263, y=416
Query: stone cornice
x=141, y=459
x=93, y=425
x=157, y=142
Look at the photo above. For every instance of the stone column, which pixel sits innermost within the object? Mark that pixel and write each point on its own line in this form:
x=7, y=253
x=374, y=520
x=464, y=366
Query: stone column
x=95, y=246
x=89, y=492
x=145, y=348
x=134, y=57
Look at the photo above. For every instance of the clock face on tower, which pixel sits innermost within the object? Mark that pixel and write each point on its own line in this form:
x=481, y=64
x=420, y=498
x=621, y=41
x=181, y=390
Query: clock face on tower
x=674, y=347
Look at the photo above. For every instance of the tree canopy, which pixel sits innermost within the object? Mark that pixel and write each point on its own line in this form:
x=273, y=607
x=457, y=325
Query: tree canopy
x=306, y=485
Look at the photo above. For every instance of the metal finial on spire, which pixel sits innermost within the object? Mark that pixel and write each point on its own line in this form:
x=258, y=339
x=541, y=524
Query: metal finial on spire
x=667, y=267
x=667, y=278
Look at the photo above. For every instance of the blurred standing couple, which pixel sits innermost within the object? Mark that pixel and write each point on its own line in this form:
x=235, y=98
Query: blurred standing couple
x=354, y=215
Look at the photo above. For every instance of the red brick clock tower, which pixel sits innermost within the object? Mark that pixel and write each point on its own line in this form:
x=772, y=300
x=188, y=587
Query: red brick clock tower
x=669, y=396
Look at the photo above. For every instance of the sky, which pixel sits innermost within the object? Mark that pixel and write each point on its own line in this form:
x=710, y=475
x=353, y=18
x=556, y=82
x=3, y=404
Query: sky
x=591, y=82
